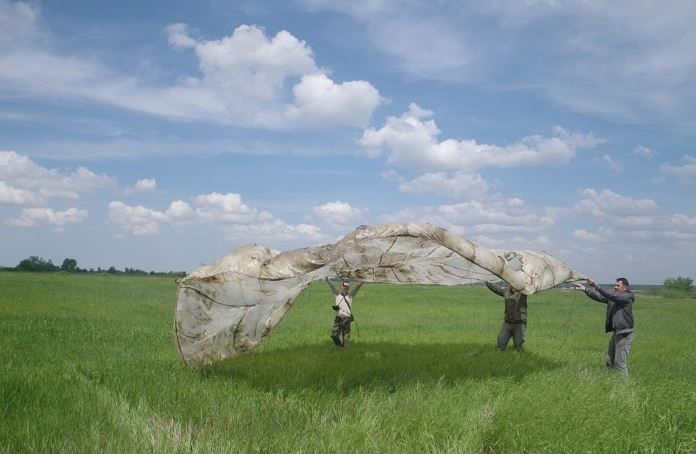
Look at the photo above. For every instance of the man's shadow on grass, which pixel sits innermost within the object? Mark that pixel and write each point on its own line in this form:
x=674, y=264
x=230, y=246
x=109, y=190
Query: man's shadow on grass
x=382, y=365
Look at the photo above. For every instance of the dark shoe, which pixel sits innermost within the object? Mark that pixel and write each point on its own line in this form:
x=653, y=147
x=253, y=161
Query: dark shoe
x=336, y=340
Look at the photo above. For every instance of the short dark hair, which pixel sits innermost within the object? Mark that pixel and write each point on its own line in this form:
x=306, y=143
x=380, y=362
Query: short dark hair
x=623, y=280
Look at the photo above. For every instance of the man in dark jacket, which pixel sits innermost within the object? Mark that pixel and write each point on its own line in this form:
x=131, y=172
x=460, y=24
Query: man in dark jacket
x=619, y=320
x=515, y=322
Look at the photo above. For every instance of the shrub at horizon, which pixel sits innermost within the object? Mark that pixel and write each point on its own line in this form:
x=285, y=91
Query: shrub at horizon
x=36, y=263
x=678, y=286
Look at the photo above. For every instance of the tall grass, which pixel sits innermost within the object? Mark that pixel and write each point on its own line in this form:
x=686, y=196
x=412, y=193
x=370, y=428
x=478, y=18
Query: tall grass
x=89, y=364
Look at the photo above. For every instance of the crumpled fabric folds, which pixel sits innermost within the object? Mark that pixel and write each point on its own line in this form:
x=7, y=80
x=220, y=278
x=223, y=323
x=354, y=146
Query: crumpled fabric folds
x=227, y=309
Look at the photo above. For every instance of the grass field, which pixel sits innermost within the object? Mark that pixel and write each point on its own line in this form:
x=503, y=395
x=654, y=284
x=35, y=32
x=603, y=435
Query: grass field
x=89, y=365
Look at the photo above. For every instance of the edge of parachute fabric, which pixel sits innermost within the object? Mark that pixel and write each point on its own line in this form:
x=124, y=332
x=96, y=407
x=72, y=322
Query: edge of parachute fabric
x=228, y=308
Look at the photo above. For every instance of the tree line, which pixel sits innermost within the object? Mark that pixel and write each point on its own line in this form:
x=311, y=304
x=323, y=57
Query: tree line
x=69, y=265
x=672, y=285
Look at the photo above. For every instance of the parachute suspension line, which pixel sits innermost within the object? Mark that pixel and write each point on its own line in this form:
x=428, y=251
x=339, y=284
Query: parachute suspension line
x=570, y=319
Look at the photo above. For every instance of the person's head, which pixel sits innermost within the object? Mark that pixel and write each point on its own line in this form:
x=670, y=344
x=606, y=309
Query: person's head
x=621, y=284
x=345, y=285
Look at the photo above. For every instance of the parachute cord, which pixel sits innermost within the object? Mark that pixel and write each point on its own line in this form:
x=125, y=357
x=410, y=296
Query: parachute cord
x=570, y=319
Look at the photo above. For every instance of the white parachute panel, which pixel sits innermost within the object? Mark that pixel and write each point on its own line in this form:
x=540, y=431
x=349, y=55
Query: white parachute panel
x=229, y=308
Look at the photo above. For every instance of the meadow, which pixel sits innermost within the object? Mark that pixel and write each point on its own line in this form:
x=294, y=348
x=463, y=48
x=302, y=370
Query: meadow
x=89, y=365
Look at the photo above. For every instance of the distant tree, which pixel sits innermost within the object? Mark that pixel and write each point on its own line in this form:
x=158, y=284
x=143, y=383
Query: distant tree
x=36, y=263
x=69, y=265
x=112, y=270
x=679, y=284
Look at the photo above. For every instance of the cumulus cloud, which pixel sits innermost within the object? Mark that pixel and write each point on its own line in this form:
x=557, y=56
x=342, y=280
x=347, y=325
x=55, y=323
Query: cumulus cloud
x=227, y=208
x=250, y=73
x=225, y=211
x=33, y=216
x=22, y=181
x=245, y=78
x=337, y=213
x=495, y=222
x=632, y=220
x=144, y=185
x=272, y=232
x=138, y=220
x=411, y=141
x=179, y=36
x=685, y=173
x=584, y=235
x=645, y=152
x=318, y=99
x=458, y=185
x=607, y=203
x=11, y=195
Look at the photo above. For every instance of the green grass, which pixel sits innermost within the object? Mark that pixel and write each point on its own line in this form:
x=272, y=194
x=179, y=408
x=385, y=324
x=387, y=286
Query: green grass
x=89, y=364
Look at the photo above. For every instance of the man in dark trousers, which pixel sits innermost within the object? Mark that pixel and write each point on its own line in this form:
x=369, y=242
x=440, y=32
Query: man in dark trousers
x=619, y=320
x=343, y=306
x=515, y=322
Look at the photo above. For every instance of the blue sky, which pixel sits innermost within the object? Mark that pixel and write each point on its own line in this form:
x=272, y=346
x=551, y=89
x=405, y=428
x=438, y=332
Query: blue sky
x=161, y=135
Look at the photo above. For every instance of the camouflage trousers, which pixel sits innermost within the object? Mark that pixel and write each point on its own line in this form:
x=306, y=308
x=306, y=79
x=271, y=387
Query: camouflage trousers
x=341, y=326
x=514, y=331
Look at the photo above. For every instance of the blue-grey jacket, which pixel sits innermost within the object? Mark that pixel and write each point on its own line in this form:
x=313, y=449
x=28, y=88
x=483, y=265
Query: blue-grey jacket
x=619, y=308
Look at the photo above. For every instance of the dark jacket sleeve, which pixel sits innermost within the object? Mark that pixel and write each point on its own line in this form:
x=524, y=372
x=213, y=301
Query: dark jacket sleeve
x=333, y=289
x=622, y=299
x=595, y=295
x=495, y=288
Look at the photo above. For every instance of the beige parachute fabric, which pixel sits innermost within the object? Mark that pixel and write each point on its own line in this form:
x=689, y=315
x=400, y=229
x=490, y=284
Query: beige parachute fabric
x=227, y=309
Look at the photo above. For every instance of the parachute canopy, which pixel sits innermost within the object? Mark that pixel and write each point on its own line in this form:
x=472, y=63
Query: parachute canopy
x=227, y=309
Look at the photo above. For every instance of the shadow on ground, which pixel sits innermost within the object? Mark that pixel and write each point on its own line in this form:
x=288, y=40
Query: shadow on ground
x=375, y=365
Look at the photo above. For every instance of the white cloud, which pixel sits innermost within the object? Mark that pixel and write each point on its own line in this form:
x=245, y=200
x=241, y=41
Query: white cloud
x=636, y=219
x=411, y=142
x=33, y=216
x=227, y=208
x=144, y=185
x=250, y=73
x=227, y=212
x=608, y=203
x=11, y=195
x=273, y=232
x=138, y=220
x=179, y=209
x=584, y=235
x=421, y=42
x=617, y=59
x=247, y=69
x=609, y=162
x=17, y=23
x=246, y=78
x=682, y=220
x=643, y=151
x=686, y=173
x=179, y=36
x=23, y=179
x=500, y=221
x=318, y=99
x=458, y=185
x=337, y=213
